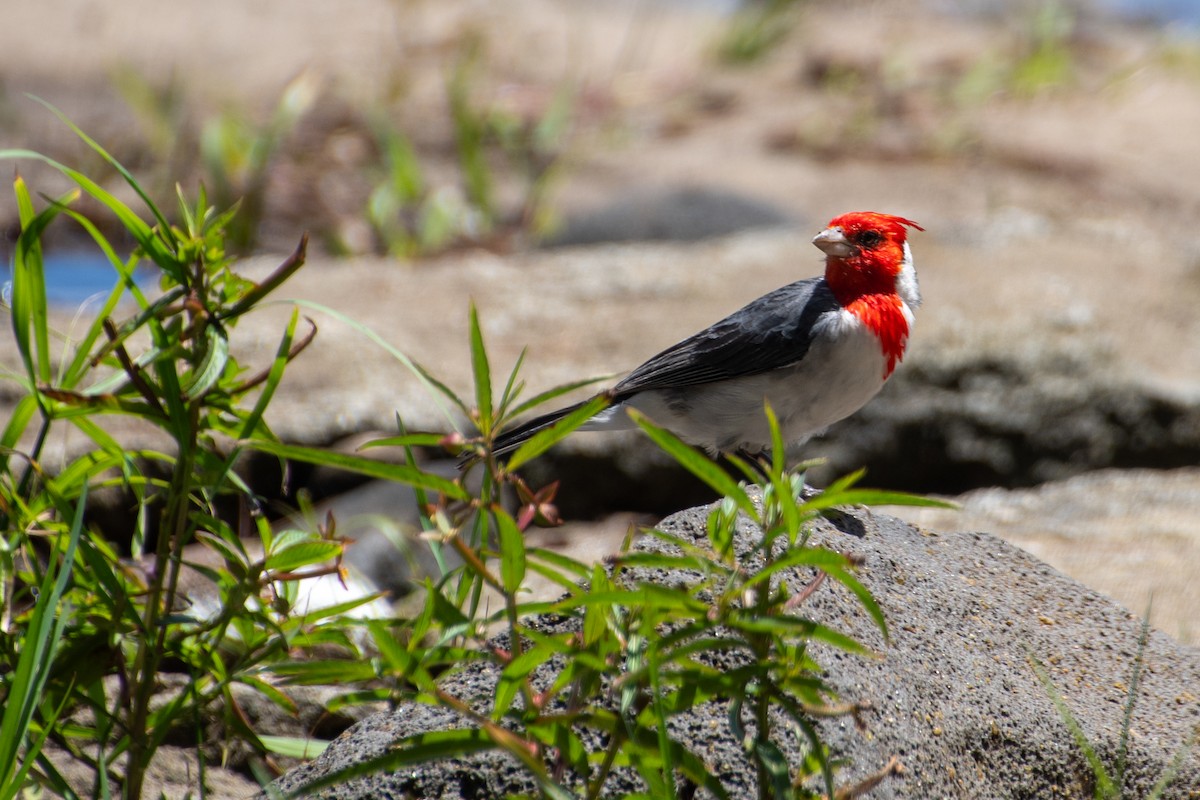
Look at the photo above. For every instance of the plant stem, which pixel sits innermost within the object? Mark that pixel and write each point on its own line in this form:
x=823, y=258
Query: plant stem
x=762, y=653
x=171, y=538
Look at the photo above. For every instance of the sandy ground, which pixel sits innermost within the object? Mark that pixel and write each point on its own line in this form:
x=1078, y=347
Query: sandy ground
x=1057, y=218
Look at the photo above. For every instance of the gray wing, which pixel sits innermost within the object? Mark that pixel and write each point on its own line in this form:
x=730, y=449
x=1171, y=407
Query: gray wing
x=771, y=332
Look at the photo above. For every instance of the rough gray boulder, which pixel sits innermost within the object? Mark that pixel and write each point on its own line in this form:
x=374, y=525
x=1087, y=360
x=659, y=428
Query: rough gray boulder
x=953, y=694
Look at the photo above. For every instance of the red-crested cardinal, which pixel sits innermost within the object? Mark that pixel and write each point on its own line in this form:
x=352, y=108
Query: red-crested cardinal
x=817, y=350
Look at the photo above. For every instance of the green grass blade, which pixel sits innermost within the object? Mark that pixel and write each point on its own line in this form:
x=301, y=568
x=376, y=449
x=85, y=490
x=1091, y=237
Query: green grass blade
x=1105, y=788
x=35, y=663
x=274, y=376
x=1172, y=770
x=120, y=168
x=433, y=387
x=153, y=245
x=30, y=312
x=81, y=361
x=513, y=387
x=406, y=440
x=512, y=552
x=1131, y=697
x=482, y=374
x=22, y=414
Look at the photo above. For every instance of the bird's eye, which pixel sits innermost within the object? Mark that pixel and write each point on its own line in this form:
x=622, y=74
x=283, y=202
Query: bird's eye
x=869, y=239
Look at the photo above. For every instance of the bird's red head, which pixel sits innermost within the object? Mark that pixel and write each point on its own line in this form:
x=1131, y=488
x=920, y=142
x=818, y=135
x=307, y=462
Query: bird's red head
x=864, y=252
x=865, y=257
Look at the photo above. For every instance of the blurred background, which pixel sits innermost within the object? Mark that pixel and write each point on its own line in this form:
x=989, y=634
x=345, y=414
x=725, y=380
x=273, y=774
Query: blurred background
x=603, y=178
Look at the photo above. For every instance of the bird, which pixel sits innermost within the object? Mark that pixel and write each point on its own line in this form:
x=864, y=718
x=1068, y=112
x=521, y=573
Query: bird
x=816, y=350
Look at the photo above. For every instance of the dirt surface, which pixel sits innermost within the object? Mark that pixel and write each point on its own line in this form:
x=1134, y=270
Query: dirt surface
x=1060, y=215
x=1133, y=535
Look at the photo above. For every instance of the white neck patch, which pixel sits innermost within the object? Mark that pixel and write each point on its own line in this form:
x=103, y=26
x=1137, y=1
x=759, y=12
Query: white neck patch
x=906, y=281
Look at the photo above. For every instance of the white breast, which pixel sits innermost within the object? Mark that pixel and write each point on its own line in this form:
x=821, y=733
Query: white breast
x=842, y=370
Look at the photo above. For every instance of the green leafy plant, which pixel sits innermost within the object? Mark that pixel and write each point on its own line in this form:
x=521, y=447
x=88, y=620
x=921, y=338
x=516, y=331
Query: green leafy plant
x=408, y=215
x=88, y=629
x=639, y=653
x=755, y=30
x=237, y=154
x=42, y=638
x=1046, y=60
x=412, y=215
x=1041, y=56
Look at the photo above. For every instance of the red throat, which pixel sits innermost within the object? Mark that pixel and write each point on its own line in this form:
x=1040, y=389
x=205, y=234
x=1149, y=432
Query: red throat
x=883, y=314
x=863, y=278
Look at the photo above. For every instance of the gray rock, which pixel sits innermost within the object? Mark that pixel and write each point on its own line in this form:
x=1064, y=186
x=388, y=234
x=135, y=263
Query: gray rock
x=953, y=697
x=1132, y=534
x=1010, y=417
x=684, y=214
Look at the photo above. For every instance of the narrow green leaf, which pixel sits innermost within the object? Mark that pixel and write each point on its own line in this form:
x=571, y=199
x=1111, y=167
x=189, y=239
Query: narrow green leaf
x=551, y=394
x=303, y=554
x=879, y=497
x=1105, y=788
x=795, y=628
x=418, y=749
x=512, y=387
x=775, y=765
x=778, y=447
x=696, y=463
x=406, y=440
x=230, y=553
x=272, y=693
x=124, y=173
x=1169, y=774
x=568, y=565
x=100, y=567
x=326, y=672
x=436, y=388
x=327, y=612
x=30, y=313
x=844, y=577
x=512, y=552
x=41, y=639
x=817, y=557
x=543, y=440
x=648, y=595
x=22, y=413
x=146, y=237
x=392, y=649
x=74, y=371
x=482, y=374
x=818, y=751
x=400, y=473
x=274, y=376
x=212, y=366
x=294, y=747
x=1135, y=678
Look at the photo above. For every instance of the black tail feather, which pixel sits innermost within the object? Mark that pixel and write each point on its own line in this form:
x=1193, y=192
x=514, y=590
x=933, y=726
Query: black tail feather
x=510, y=440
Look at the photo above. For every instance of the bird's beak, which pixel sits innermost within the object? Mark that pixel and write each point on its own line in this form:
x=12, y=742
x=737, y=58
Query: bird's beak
x=833, y=242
